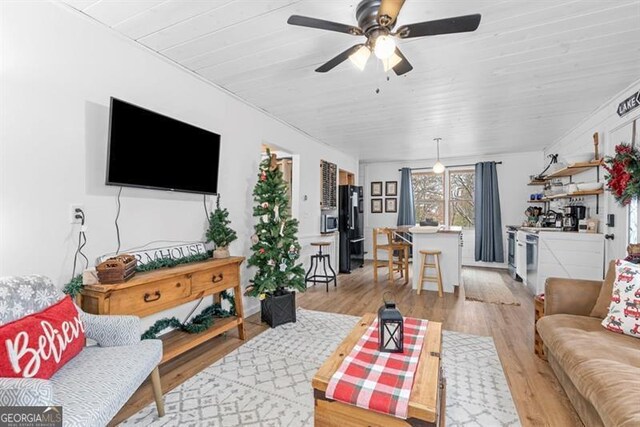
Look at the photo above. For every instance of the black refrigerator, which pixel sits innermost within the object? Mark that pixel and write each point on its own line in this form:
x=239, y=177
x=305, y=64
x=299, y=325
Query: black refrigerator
x=351, y=222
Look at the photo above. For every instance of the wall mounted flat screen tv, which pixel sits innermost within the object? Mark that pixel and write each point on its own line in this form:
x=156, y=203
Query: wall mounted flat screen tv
x=149, y=150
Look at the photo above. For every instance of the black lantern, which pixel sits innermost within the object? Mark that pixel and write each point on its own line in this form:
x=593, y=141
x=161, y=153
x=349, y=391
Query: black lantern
x=390, y=328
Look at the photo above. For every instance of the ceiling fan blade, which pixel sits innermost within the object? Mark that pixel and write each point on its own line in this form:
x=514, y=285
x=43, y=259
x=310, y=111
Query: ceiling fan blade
x=459, y=24
x=404, y=66
x=388, y=12
x=304, y=21
x=327, y=66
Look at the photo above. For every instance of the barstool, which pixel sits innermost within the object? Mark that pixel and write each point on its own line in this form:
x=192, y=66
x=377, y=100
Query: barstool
x=325, y=259
x=393, y=248
x=435, y=265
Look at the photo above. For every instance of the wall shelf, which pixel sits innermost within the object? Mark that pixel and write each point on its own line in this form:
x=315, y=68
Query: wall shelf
x=569, y=172
x=575, y=194
x=574, y=169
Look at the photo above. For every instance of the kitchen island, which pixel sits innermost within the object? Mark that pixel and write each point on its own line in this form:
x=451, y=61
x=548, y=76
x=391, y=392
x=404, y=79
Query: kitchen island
x=447, y=240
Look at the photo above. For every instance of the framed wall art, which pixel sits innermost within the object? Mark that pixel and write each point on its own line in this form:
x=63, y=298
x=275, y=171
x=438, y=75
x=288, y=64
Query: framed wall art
x=376, y=188
x=391, y=188
x=391, y=205
x=376, y=205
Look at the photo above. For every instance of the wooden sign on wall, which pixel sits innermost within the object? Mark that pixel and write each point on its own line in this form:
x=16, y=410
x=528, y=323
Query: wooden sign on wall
x=629, y=104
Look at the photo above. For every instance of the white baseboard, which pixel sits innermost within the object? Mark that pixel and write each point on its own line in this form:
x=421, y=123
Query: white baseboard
x=252, y=311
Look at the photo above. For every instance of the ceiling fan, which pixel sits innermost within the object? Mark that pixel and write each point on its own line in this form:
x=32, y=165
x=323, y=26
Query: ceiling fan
x=376, y=20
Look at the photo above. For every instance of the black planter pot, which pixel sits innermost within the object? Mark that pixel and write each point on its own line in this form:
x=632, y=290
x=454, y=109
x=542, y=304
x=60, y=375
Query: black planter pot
x=278, y=309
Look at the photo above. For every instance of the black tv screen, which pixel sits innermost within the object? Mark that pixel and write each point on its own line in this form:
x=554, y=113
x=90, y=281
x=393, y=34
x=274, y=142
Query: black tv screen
x=149, y=150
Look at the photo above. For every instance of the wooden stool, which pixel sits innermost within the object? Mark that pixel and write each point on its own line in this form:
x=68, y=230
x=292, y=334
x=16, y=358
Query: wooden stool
x=325, y=259
x=435, y=265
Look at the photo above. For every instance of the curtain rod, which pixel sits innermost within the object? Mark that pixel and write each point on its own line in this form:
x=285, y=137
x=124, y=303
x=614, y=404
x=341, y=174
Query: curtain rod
x=451, y=166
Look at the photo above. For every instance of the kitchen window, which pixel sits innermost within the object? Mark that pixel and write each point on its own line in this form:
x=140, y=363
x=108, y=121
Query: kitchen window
x=461, y=206
x=446, y=198
x=428, y=196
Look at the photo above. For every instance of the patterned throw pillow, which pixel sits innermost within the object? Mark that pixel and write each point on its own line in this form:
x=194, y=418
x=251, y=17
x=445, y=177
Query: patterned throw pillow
x=24, y=295
x=37, y=345
x=624, y=310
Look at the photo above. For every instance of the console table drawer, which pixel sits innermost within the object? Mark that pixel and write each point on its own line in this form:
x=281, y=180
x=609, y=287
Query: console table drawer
x=150, y=298
x=213, y=280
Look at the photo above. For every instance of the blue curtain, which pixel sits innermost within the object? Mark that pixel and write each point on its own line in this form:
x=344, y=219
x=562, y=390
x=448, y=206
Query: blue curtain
x=489, y=246
x=407, y=209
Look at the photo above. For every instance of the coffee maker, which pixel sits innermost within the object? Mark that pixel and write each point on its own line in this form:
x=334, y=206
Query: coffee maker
x=572, y=216
x=552, y=219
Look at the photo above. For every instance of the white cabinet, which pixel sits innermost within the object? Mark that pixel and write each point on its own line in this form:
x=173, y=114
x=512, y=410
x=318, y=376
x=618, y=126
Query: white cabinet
x=570, y=255
x=521, y=255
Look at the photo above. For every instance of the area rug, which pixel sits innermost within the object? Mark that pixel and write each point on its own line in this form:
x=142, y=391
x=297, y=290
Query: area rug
x=267, y=381
x=486, y=286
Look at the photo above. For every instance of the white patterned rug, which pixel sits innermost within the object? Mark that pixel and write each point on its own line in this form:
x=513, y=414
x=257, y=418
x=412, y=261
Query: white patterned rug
x=267, y=381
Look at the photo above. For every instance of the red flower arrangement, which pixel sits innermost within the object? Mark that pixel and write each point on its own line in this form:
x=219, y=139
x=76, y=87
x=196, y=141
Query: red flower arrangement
x=623, y=177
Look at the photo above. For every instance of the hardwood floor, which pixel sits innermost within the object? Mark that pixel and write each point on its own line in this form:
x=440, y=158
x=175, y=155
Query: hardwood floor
x=538, y=396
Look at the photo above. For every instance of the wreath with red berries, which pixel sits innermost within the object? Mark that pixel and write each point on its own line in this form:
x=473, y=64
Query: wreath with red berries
x=623, y=178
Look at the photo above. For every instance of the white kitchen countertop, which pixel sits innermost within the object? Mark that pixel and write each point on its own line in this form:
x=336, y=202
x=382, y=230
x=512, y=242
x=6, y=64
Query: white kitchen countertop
x=433, y=230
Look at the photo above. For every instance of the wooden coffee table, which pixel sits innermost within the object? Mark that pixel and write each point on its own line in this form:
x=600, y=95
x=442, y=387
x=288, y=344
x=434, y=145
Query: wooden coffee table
x=427, y=401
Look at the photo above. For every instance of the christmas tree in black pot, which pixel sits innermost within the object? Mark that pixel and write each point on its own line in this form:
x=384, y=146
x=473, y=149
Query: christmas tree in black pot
x=275, y=248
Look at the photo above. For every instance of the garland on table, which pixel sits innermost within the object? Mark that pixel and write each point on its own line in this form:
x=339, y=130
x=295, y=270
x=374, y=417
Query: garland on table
x=74, y=287
x=170, y=262
x=623, y=178
x=198, y=324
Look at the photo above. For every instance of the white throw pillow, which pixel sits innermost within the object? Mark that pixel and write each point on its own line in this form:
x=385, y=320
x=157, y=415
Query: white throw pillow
x=624, y=310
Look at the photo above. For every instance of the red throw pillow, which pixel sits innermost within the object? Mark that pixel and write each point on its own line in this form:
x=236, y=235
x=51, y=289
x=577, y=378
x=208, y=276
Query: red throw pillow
x=37, y=345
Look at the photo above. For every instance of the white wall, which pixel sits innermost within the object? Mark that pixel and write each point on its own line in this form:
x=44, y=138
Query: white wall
x=580, y=140
x=513, y=176
x=59, y=69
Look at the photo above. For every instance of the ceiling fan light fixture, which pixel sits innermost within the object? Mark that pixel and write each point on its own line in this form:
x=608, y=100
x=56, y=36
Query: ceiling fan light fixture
x=391, y=62
x=360, y=57
x=384, y=46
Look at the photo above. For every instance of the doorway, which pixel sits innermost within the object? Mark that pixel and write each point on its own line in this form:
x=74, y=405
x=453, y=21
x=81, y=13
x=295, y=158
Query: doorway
x=288, y=164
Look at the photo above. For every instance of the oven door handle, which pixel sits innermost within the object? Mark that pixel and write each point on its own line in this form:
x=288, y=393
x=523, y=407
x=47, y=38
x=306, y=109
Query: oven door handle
x=357, y=240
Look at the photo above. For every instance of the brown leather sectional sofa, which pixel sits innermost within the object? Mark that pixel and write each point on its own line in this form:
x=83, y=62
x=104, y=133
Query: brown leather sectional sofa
x=598, y=369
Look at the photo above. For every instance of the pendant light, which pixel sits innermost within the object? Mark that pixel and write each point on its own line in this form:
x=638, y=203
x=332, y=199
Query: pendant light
x=438, y=167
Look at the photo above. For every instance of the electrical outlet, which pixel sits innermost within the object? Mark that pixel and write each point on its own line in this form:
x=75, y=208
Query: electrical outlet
x=73, y=213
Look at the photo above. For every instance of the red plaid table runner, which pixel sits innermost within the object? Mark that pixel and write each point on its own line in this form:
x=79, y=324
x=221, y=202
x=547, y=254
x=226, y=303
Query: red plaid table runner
x=379, y=381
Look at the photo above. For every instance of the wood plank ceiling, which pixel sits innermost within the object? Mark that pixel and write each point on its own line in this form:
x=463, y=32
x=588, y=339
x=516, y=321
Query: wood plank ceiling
x=531, y=72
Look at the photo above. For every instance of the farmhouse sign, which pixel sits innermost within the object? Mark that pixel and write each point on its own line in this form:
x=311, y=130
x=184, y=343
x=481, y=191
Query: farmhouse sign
x=629, y=104
x=171, y=252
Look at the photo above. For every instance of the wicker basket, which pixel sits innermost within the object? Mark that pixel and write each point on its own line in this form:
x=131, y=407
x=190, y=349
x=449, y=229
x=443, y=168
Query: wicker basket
x=117, y=269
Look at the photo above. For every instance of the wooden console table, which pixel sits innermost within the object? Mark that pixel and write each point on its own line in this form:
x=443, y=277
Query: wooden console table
x=159, y=290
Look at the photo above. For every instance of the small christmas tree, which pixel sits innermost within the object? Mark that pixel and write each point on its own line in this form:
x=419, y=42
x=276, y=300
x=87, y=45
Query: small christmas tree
x=219, y=231
x=275, y=245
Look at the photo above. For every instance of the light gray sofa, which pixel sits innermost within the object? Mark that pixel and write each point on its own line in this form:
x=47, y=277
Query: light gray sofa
x=94, y=385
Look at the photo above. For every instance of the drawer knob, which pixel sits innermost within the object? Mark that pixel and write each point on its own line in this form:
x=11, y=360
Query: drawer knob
x=217, y=278
x=150, y=298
